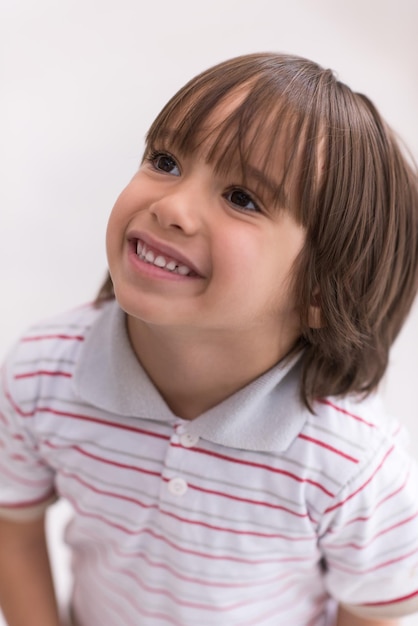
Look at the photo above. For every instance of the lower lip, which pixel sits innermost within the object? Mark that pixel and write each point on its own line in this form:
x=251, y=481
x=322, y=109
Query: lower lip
x=152, y=271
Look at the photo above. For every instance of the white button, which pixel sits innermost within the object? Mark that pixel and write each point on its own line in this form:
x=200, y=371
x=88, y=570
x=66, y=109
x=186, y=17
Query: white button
x=188, y=440
x=177, y=486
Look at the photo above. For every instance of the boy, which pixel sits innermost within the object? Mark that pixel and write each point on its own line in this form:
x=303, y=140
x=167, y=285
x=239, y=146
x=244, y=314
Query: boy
x=211, y=418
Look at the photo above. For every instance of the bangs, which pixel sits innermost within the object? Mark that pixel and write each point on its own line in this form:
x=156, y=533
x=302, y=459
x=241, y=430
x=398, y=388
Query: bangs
x=250, y=127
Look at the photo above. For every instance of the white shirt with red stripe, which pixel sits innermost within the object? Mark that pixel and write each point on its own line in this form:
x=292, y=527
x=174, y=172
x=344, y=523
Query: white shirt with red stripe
x=255, y=513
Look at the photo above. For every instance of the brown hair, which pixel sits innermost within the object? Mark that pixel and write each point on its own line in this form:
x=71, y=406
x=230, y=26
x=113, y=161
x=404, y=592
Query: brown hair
x=344, y=177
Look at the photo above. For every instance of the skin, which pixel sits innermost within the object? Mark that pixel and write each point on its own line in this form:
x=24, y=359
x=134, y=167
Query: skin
x=346, y=618
x=214, y=332
x=26, y=589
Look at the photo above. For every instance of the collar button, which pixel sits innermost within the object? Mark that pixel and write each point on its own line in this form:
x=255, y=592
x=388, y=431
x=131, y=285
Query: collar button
x=188, y=440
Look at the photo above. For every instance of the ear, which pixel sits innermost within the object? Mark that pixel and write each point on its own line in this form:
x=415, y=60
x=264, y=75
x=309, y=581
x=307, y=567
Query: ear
x=315, y=312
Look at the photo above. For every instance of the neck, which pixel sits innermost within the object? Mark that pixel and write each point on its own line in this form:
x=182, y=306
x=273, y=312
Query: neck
x=196, y=371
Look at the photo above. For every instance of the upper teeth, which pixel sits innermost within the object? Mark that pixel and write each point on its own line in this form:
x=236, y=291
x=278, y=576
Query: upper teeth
x=159, y=260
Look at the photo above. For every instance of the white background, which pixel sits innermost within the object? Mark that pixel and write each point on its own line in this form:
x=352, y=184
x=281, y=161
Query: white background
x=81, y=81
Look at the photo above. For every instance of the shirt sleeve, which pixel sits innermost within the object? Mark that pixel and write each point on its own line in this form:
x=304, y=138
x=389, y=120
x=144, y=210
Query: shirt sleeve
x=369, y=539
x=26, y=481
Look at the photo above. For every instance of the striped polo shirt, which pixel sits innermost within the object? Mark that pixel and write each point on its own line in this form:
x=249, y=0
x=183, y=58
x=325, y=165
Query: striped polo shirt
x=257, y=512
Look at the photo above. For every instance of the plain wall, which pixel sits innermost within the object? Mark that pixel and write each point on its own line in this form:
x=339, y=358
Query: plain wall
x=81, y=81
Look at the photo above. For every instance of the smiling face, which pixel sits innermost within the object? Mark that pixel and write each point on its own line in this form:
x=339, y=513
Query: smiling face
x=193, y=248
x=206, y=235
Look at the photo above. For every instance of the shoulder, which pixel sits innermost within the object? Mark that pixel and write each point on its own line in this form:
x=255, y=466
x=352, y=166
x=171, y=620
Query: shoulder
x=359, y=424
x=48, y=351
x=369, y=528
x=345, y=441
x=55, y=335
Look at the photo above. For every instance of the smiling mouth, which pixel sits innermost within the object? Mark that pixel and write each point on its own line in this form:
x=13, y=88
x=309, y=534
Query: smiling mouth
x=145, y=253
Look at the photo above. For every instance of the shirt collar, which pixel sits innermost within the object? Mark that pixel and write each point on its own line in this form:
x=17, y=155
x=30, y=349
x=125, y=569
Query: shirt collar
x=266, y=415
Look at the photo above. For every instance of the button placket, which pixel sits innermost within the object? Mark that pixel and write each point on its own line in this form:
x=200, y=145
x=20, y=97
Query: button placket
x=176, y=485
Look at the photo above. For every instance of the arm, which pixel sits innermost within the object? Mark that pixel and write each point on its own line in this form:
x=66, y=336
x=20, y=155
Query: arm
x=345, y=618
x=26, y=588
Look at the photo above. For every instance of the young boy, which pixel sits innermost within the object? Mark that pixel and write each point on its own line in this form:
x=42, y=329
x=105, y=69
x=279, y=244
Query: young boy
x=212, y=417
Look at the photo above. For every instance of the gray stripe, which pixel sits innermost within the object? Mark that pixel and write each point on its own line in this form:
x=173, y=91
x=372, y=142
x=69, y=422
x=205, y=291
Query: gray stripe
x=176, y=507
x=82, y=408
x=64, y=326
x=71, y=441
x=332, y=434
x=239, y=595
x=182, y=541
x=43, y=360
x=364, y=470
x=260, y=492
x=169, y=429
x=380, y=557
x=112, y=451
x=395, y=483
x=178, y=567
x=309, y=468
x=382, y=522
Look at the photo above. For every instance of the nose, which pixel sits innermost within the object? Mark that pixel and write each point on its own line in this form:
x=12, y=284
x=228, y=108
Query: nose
x=179, y=208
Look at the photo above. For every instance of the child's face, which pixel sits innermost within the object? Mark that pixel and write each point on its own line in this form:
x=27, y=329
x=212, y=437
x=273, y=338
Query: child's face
x=232, y=252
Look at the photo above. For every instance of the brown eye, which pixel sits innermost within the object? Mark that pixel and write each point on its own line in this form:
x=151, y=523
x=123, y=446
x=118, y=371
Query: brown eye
x=165, y=163
x=242, y=199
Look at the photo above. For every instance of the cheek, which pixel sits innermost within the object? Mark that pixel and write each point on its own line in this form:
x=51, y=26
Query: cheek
x=119, y=216
x=111, y=231
x=115, y=235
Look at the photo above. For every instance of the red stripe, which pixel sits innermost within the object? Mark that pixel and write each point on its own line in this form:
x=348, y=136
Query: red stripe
x=336, y=506
x=259, y=466
x=328, y=447
x=17, y=408
x=356, y=570
x=356, y=546
x=97, y=420
x=144, y=556
x=27, y=504
x=191, y=486
x=88, y=418
x=249, y=533
x=177, y=517
x=111, y=595
x=102, y=422
x=409, y=596
x=23, y=480
x=43, y=337
x=276, y=507
x=42, y=373
x=195, y=605
x=161, y=591
x=108, y=461
x=365, y=518
x=158, y=537
x=108, y=493
x=166, y=437
x=341, y=410
x=128, y=599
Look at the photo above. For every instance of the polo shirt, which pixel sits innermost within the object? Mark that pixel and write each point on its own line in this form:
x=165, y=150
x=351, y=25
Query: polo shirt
x=257, y=512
